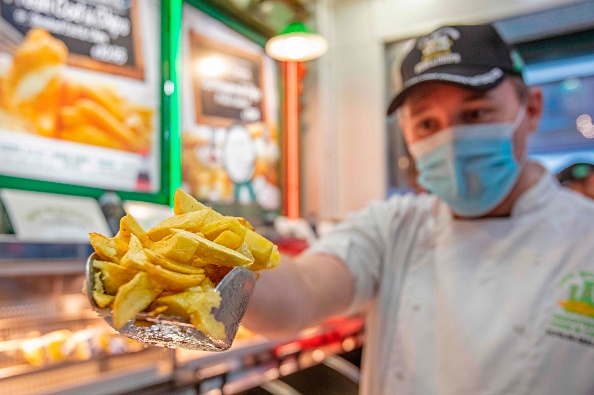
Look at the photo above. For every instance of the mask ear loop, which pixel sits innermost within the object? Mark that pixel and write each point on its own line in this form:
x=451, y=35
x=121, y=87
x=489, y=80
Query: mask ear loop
x=519, y=116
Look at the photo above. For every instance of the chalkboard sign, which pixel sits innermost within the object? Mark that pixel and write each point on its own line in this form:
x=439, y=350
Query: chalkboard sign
x=227, y=83
x=100, y=35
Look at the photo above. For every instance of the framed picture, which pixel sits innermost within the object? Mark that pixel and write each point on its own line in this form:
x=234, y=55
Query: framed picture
x=230, y=114
x=88, y=100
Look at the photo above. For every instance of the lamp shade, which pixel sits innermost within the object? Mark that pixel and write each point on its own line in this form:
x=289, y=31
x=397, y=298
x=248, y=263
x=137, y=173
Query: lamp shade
x=296, y=43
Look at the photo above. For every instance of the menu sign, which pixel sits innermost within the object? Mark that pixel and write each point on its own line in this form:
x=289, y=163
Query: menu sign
x=99, y=34
x=227, y=82
x=230, y=135
x=70, y=122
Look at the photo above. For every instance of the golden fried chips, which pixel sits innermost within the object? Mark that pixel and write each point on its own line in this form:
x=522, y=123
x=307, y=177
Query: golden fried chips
x=173, y=268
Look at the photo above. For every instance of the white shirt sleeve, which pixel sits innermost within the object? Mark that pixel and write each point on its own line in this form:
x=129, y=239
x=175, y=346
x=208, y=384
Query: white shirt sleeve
x=360, y=243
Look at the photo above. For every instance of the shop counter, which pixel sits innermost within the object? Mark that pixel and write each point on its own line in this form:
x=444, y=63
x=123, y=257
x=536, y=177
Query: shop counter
x=51, y=342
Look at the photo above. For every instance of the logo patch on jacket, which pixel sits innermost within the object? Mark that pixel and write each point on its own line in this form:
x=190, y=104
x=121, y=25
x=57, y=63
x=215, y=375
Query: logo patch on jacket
x=574, y=317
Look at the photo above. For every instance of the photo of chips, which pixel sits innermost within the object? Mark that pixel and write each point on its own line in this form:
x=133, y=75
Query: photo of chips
x=173, y=268
x=38, y=97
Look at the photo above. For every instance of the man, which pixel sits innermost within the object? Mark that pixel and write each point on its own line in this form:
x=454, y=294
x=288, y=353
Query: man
x=578, y=177
x=483, y=286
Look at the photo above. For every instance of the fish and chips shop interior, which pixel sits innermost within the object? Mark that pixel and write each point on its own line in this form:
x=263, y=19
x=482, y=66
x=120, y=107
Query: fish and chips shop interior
x=271, y=112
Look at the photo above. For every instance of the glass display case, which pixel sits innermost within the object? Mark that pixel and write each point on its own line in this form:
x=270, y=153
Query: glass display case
x=51, y=342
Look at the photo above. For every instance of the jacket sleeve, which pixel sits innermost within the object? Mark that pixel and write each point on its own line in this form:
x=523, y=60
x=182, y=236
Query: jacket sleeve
x=360, y=242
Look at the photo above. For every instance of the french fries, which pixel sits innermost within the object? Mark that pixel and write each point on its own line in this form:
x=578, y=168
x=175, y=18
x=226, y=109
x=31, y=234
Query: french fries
x=37, y=98
x=173, y=268
x=133, y=297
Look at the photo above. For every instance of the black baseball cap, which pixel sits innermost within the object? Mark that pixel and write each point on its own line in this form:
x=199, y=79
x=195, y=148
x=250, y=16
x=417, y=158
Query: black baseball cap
x=575, y=172
x=472, y=56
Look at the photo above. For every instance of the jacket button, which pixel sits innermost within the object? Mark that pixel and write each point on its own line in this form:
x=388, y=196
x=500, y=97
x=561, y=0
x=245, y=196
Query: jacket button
x=536, y=261
x=519, y=328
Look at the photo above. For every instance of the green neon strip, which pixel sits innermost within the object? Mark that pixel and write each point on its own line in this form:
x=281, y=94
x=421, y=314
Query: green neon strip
x=171, y=38
x=209, y=8
x=46, y=186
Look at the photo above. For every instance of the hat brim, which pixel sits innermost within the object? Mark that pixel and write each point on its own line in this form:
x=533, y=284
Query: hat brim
x=478, y=78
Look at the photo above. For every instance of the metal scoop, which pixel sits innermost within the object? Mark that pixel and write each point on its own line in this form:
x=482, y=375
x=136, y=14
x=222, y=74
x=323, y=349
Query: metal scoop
x=175, y=332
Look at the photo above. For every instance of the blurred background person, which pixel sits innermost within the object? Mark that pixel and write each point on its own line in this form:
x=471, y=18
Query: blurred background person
x=579, y=177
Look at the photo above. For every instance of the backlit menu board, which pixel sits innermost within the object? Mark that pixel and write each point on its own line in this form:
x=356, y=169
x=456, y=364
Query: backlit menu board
x=230, y=147
x=79, y=96
x=227, y=83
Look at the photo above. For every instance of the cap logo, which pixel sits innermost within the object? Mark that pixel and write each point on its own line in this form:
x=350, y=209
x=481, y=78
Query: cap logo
x=517, y=61
x=436, y=49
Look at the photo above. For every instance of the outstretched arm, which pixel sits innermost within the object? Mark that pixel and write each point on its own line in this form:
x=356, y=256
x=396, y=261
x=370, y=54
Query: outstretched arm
x=301, y=292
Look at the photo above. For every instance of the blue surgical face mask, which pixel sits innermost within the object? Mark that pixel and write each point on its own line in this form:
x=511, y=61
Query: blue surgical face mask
x=470, y=167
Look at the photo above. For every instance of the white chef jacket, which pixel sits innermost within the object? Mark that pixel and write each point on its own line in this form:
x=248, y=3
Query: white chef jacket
x=474, y=306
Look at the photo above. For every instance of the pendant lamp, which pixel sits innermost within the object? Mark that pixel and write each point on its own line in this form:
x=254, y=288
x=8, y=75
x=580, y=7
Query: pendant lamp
x=296, y=43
